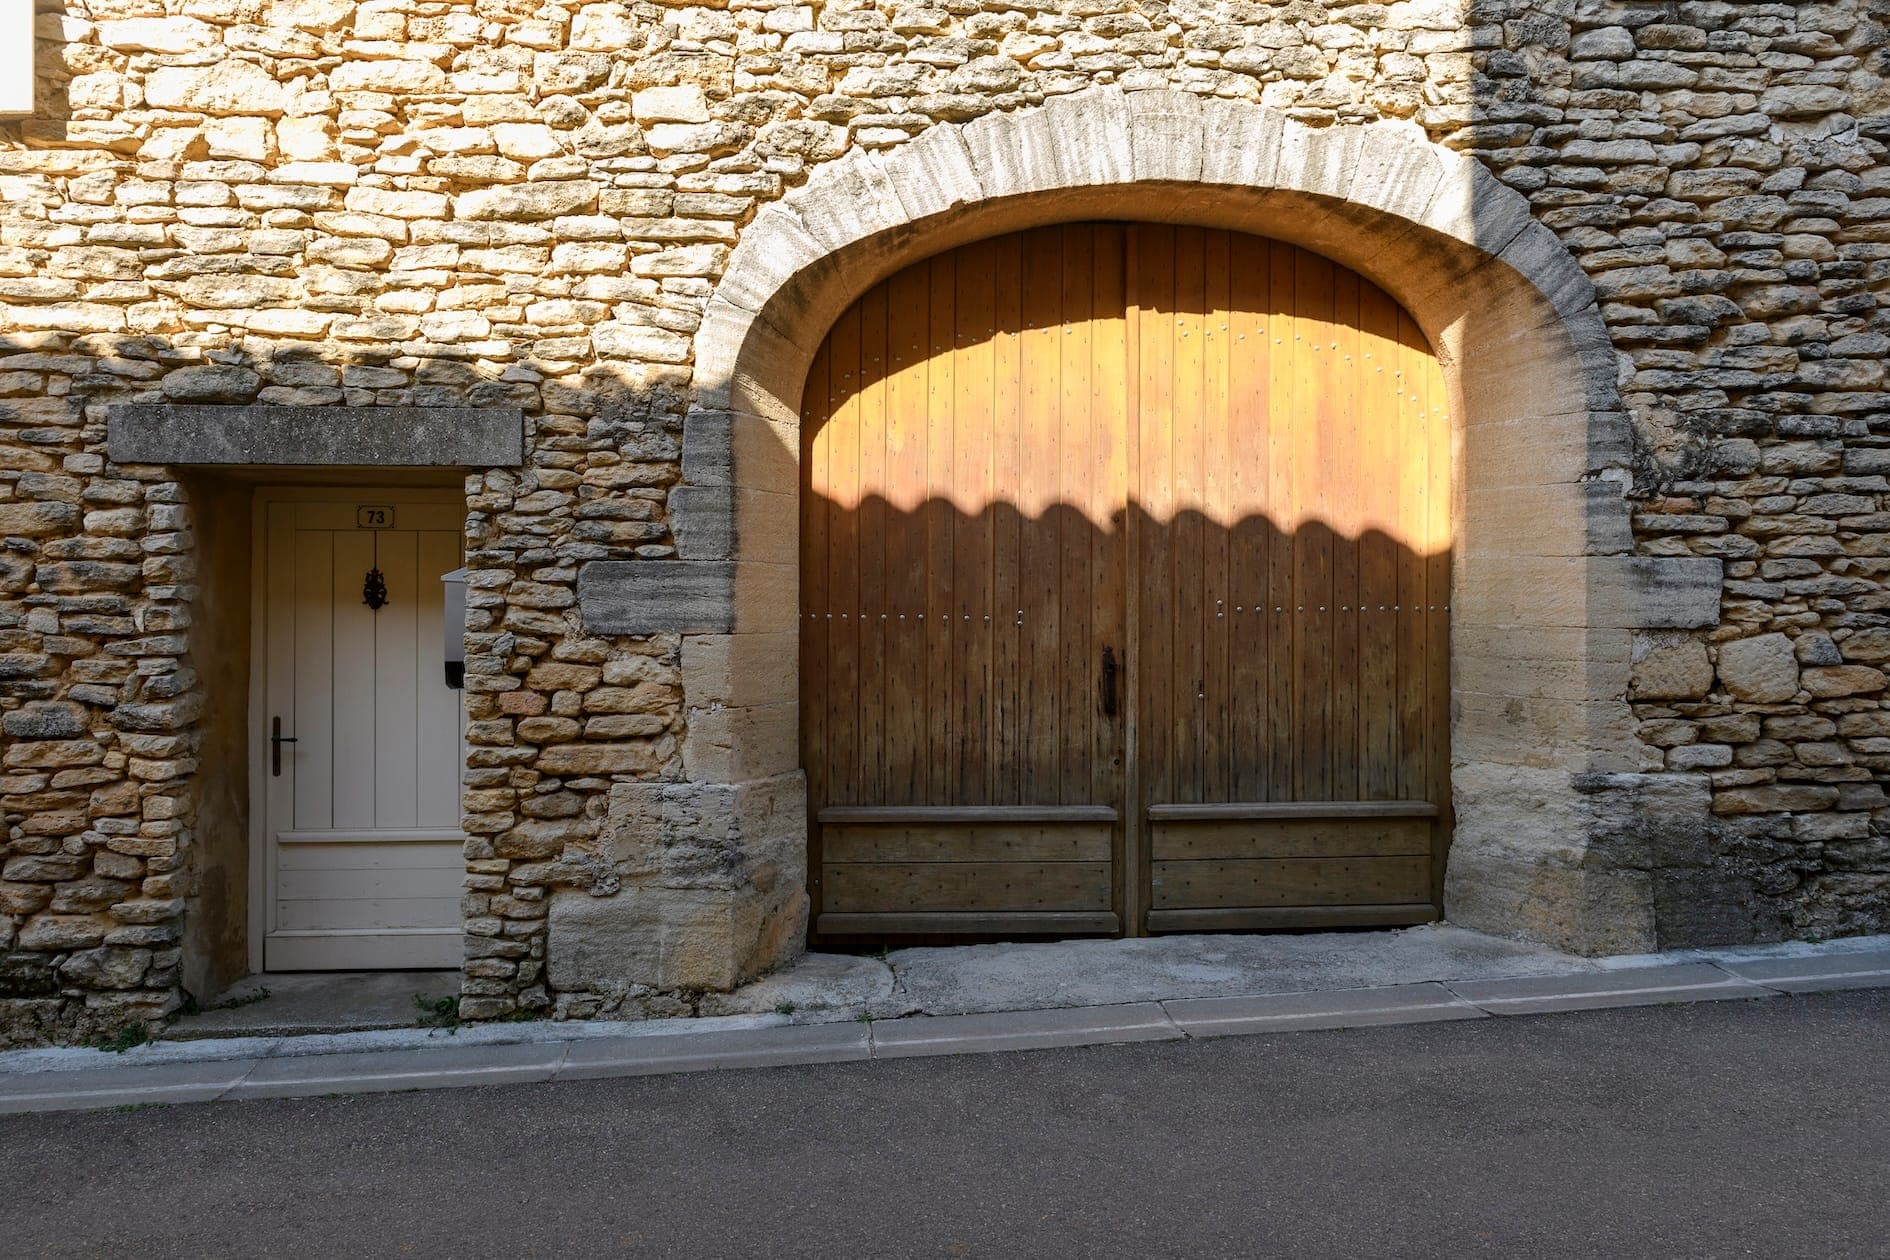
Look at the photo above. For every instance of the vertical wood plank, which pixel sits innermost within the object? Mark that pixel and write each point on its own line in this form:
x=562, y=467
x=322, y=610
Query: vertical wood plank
x=1342, y=359
x=1313, y=539
x=816, y=678
x=1284, y=521
x=972, y=437
x=843, y=566
x=1380, y=455
x=1039, y=569
x=355, y=750
x=942, y=734
x=1077, y=652
x=1218, y=511
x=396, y=689
x=868, y=403
x=1249, y=425
x=1187, y=520
x=908, y=306
x=313, y=753
x=1007, y=528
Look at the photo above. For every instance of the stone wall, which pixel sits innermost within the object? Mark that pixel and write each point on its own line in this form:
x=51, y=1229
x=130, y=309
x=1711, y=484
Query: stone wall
x=528, y=203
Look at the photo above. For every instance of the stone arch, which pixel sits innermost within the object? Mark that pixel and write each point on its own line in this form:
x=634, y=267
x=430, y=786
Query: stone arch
x=1553, y=818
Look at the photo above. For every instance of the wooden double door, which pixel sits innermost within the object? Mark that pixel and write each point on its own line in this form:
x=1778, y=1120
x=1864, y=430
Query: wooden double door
x=1125, y=586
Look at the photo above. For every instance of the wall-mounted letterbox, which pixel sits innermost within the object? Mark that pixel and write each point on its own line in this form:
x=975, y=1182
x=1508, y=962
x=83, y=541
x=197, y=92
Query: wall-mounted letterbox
x=453, y=626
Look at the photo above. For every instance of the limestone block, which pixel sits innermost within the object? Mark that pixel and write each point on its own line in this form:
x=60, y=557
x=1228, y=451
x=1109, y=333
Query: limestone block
x=703, y=521
x=1568, y=519
x=657, y=596
x=767, y=526
x=161, y=35
x=684, y=103
x=725, y=448
x=228, y=86
x=639, y=758
x=640, y=341
x=852, y=199
x=933, y=172
x=1397, y=171
x=1322, y=161
x=1094, y=133
x=540, y=199
x=1543, y=732
x=106, y=968
x=359, y=436
x=671, y=939
x=1568, y=663
x=36, y=520
x=775, y=248
x=1828, y=682
x=387, y=76
x=1670, y=668
x=1775, y=798
x=1240, y=144
x=709, y=835
x=751, y=741
x=746, y=364
x=1015, y=153
x=1762, y=669
x=740, y=669
x=1623, y=592
x=1167, y=136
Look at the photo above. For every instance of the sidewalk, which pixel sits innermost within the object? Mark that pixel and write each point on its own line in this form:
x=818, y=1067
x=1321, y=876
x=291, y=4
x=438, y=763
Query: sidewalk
x=1057, y=995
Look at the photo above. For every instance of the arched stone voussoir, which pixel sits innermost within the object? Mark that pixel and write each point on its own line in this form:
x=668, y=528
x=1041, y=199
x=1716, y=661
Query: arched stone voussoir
x=745, y=364
x=1167, y=136
x=1075, y=141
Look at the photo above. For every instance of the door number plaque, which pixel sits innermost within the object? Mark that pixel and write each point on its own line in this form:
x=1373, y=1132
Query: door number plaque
x=374, y=517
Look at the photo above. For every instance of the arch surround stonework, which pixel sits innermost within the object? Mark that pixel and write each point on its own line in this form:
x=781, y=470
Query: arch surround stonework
x=1558, y=835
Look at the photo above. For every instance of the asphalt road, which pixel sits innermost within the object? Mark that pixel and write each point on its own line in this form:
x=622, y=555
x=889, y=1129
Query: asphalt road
x=1723, y=1129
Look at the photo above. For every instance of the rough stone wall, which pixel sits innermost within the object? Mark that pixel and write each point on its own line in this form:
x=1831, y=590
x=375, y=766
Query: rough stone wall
x=527, y=202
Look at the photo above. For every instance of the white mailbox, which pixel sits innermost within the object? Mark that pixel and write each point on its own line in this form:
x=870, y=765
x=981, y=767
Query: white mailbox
x=16, y=58
x=453, y=626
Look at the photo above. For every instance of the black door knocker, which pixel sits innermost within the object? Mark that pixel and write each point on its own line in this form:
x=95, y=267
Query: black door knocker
x=374, y=589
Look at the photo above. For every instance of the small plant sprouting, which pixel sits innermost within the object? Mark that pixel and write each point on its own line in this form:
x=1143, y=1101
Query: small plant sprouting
x=127, y=1036
x=437, y=1012
x=784, y=1008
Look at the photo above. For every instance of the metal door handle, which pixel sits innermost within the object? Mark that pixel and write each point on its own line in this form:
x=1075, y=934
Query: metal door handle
x=276, y=740
x=1109, y=682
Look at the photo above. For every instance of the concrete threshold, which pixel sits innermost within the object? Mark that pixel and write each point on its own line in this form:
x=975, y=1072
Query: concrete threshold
x=407, y=1059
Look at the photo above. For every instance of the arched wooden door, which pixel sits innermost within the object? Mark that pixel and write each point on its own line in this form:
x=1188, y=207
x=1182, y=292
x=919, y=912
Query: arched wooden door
x=1125, y=576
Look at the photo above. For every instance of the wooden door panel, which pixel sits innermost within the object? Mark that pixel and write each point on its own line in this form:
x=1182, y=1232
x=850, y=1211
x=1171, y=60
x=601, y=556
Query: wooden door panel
x=1223, y=459
x=1007, y=886
x=962, y=572
x=1303, y=838
x=1322, y=881
x=1293, y=571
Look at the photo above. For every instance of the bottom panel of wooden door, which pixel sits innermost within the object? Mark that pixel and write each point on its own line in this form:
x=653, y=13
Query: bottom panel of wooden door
x=967, y=871
x=375, y=901
x=1275, y=865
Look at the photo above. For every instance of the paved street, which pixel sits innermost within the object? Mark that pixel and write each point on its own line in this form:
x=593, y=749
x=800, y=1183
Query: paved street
x=1721, y=1129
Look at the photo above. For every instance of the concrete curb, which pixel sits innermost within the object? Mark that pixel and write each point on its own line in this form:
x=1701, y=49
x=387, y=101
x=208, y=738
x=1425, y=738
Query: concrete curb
x=297, y=1067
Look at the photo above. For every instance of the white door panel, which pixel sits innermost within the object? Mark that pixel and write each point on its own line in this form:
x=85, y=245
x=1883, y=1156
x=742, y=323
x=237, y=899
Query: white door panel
x=363, y=852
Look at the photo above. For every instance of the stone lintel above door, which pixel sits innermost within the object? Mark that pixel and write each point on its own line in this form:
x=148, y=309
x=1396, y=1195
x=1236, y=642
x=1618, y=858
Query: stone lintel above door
x=400, y=437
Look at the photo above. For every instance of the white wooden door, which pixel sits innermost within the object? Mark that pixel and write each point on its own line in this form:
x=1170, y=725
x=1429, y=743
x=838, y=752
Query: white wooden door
x=362, y=847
